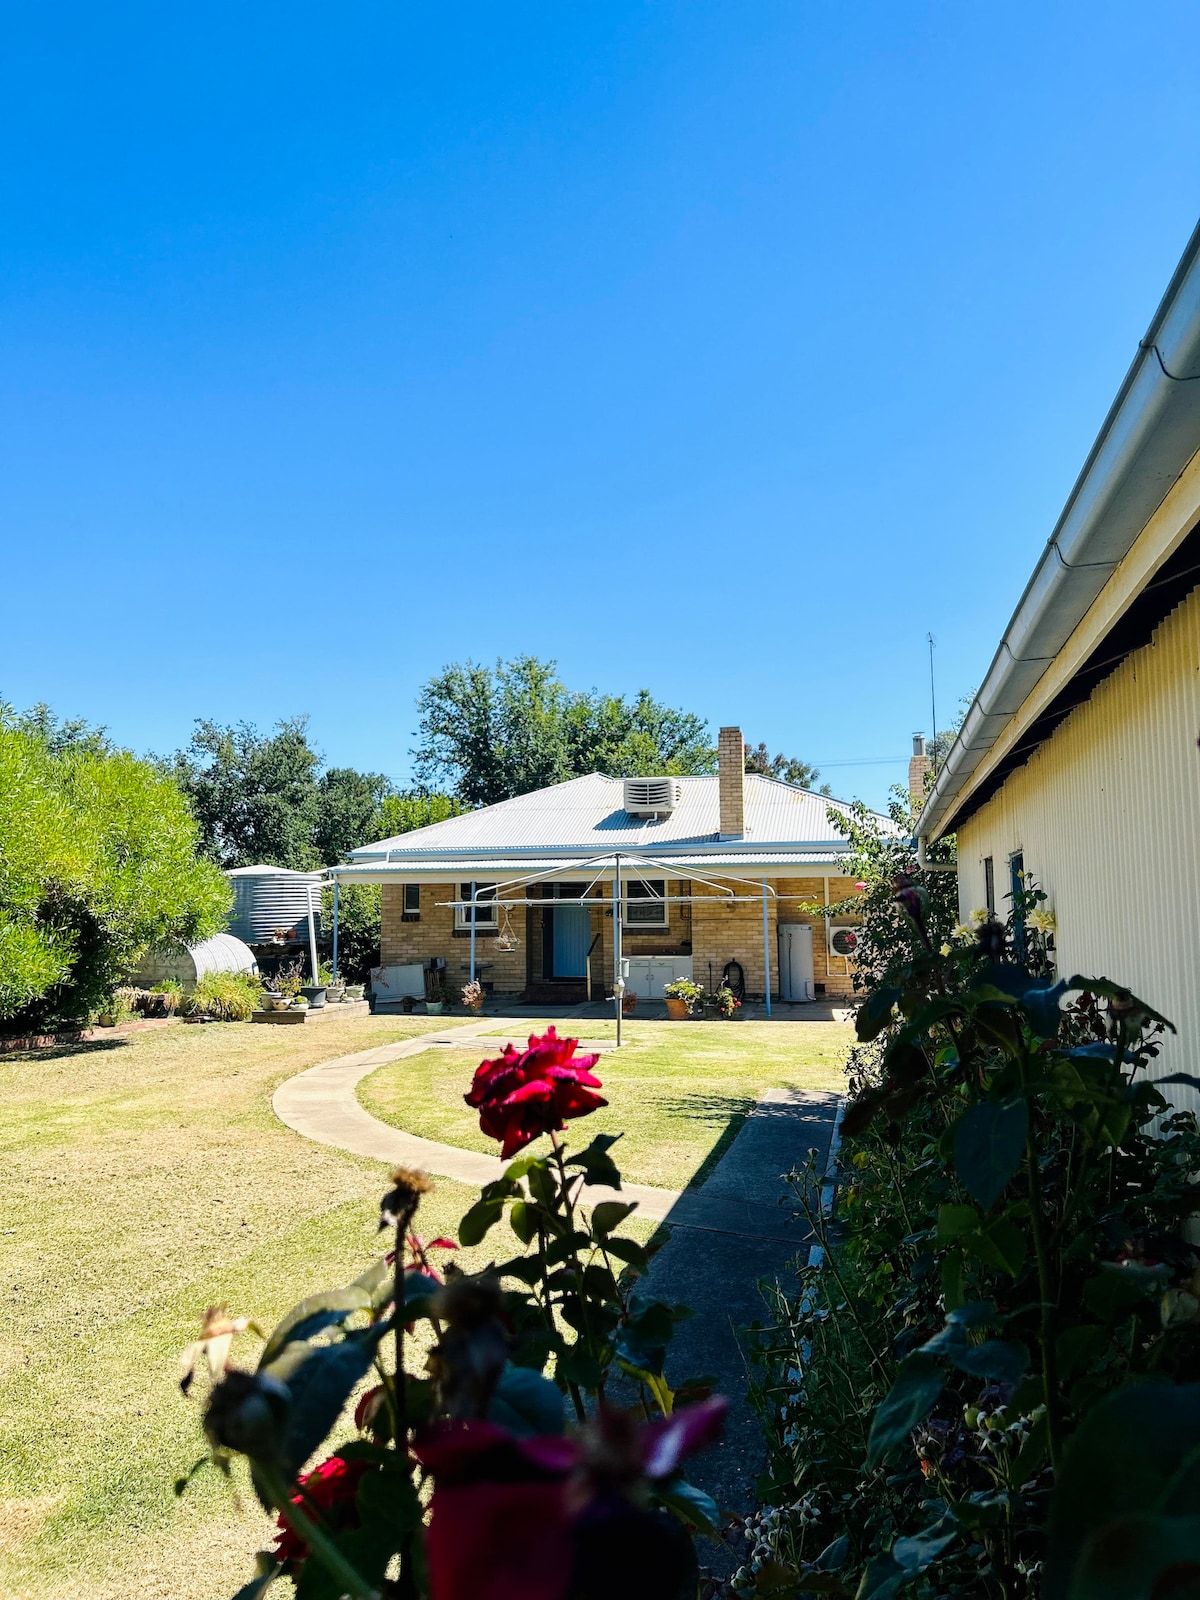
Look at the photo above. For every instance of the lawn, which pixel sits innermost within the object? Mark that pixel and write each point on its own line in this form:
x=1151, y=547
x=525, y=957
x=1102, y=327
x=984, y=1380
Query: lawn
x=145, y=1180
x=678, y=1091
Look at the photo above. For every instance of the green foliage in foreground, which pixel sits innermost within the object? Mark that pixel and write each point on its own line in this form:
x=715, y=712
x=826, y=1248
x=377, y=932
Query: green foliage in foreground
x=97, y=862
x=224, y=996
x=989, y=1384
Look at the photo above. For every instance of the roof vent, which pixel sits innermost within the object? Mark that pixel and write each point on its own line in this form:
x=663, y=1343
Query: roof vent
x=652, y=797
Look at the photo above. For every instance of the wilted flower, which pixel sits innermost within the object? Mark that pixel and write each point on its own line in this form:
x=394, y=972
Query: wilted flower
x=247, y=1412
x=470, y=1355
x=216, y=1335
x=399, y=1204
x=522, y=1094
x=332, y=1488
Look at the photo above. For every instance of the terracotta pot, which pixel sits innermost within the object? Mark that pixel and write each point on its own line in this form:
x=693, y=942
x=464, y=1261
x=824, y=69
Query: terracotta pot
x=628, y=1004
x=677, y=1009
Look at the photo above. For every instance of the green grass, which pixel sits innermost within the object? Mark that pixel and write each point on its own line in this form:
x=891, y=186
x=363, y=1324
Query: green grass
x=145, y=1180
x=677, y=1091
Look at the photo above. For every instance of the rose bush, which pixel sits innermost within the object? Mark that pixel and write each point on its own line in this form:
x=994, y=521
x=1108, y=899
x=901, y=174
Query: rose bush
x=522, y=1508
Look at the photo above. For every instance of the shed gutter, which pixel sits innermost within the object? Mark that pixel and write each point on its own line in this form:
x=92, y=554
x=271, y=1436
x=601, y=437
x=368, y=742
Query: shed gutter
x=1150, y=434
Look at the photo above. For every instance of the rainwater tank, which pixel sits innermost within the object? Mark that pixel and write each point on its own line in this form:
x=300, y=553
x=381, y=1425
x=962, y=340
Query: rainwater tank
x=272, y=900
x=221, y=953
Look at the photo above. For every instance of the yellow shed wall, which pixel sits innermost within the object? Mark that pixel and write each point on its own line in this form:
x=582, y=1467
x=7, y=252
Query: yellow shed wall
x=1107, y=815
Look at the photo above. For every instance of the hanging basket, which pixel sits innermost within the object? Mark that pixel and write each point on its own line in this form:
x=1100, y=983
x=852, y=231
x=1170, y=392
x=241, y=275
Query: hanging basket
x=506, y=939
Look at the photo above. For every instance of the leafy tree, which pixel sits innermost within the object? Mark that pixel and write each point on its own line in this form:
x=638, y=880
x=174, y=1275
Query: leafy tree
x=57, y=734
x=412, y=808
x=786, y=768
x=254, y=795
x=359, y=904
x=98, y=861
x=496, y=732
x=348, y=811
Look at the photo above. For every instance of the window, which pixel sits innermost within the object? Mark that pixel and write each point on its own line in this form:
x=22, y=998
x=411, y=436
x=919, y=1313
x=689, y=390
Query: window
x=412, y=903
x=1016, y=874
x=989, y=885
x=485, y=907
x=645, y=903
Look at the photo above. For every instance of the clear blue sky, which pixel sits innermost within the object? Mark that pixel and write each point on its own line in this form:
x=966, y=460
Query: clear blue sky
x=720, y=346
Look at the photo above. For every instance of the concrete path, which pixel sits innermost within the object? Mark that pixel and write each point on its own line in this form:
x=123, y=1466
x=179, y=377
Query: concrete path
x=727, y=1238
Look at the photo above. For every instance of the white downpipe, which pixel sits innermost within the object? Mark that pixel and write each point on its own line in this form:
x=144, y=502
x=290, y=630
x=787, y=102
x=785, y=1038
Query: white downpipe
x=766, y=947
x=312, y=936
x=618, y=979
x=932, y=866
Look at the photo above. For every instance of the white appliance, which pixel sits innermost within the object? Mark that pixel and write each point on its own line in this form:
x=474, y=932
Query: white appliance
x=389, y=985
x=652, y=797
x=647, y=975
x=796, y=961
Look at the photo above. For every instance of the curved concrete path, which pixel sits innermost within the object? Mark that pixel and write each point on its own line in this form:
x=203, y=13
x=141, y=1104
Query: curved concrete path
x=322, y=1105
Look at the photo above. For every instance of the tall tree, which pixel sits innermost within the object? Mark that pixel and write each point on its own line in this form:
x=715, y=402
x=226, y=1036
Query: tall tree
x=98, y=861
x=348, y=811
x=786, y=768
x=412, y=808
x=254, y=796
x=495, y=732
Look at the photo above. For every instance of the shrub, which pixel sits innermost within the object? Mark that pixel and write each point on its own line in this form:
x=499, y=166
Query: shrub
x=97, y=862
x=224, y=996
x=1010, y=1252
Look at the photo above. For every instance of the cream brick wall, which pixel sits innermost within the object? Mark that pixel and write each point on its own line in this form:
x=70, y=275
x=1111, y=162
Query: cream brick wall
x=404, y=943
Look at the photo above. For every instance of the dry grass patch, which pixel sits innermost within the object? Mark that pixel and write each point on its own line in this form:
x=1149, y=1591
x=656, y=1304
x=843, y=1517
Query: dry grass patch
x=145, y=1179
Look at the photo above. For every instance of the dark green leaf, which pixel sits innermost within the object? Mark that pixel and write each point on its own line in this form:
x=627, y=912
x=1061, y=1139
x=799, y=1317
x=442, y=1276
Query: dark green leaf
x=1116, y=1290
x=1139, y=1557
x=578, y=1367
x=988, y=1148
x=377, y=1282
x=881, y=1580
x=1001, y=1245
x=1136, y=1453
x=833, y=1556
x=609, y=1214
x=954, y=1222
x=691, y=1505
x=1033, y=1453
x=1000, y=1360
x=523, y=1220
x=917, y=1552
x=313, y=1315
x=918, y=1384
x=320, y=1379
x=482, y=1217
x=1077, y=1348
x=875, y=1013
x=1041, y=1006
x=526, y=1403
x=257, y=1587
x=630, y=1251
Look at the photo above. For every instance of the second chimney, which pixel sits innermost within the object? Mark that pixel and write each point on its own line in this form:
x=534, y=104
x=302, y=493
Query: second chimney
x=918, y=772
x=731, y=769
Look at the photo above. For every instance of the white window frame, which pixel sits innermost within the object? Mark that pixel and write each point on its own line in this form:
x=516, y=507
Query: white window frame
x=655, y=899
x=485, y=910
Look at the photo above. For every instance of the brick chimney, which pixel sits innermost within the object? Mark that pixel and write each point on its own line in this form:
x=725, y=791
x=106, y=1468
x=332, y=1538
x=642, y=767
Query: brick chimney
x=731, y=769
x=919, y=767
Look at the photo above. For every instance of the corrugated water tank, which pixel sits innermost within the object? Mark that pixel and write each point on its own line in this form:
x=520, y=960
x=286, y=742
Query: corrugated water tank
x=267, y=900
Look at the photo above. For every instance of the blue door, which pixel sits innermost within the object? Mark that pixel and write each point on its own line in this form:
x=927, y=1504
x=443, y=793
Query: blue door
x=572, y=936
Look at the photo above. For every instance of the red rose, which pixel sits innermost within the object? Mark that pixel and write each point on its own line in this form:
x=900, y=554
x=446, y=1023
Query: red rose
x=332, y=1488
x=520, y=1095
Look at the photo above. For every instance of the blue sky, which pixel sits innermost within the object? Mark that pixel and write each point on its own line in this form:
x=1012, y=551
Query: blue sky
x=722, y=348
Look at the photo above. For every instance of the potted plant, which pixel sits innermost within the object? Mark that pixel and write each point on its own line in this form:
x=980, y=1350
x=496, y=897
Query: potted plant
x=628, y=1003
x=354, y=991
x=335, y=987
x=473, y=996
x=682, y=996
x=726, y=1003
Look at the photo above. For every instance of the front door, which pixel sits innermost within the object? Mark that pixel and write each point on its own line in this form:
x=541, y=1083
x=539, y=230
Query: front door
x=571, y=937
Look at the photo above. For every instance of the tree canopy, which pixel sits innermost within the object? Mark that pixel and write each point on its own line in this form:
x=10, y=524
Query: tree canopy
x=786, y=768
x=98, y=861
x=489, y=733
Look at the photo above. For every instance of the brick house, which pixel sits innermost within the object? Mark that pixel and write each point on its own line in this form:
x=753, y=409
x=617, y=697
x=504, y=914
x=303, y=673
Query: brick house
x=710, y=870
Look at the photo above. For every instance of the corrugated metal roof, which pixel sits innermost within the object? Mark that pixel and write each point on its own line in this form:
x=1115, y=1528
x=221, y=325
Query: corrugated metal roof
x=587, y=814
x=812, y=860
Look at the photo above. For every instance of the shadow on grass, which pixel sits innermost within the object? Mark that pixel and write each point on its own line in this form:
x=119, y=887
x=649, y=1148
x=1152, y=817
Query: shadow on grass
x=732, y=1109
x=61, y=1052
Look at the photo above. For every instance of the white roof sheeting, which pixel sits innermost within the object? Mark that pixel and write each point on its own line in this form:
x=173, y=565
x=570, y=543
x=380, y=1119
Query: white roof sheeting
x=585, y=818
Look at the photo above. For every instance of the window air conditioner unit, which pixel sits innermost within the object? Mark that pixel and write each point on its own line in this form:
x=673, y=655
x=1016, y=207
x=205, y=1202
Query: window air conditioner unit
x=843, y=941
x=652, y=797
